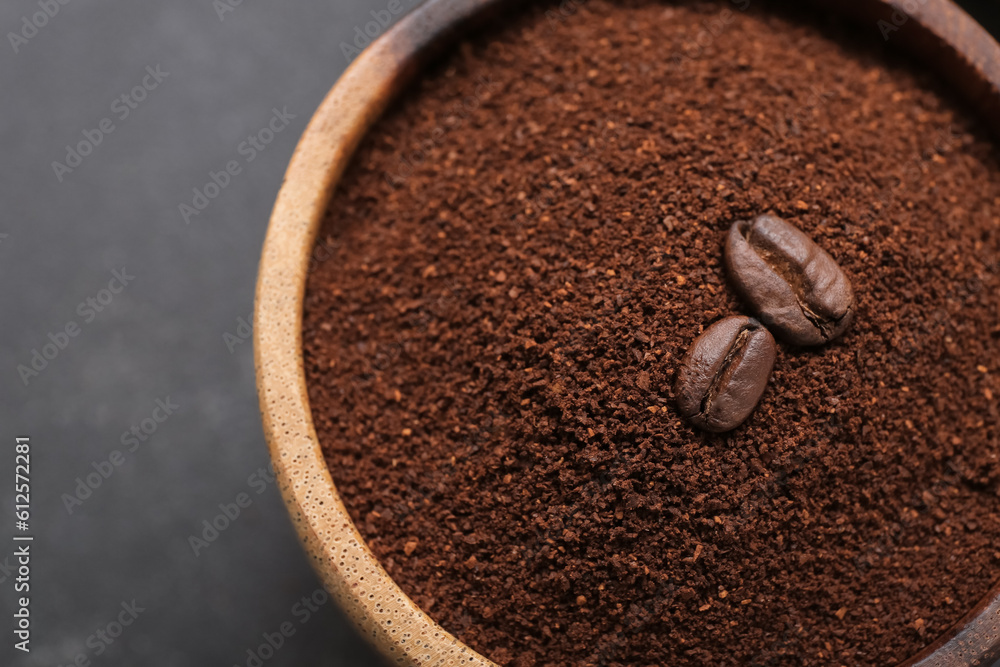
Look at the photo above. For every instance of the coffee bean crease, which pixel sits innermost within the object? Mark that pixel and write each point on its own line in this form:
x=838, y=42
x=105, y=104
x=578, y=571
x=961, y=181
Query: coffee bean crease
x=724, y=374
x=794, y=286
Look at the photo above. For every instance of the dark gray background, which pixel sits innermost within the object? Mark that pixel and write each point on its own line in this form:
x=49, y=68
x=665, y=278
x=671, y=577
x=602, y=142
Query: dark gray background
x=162, y=336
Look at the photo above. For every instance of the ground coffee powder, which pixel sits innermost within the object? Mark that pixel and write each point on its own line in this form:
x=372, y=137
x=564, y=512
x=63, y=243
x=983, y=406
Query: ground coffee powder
x=519, y=256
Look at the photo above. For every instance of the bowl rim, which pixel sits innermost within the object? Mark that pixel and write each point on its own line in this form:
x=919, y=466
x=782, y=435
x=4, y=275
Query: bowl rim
x=347, y=568
x=384, y=614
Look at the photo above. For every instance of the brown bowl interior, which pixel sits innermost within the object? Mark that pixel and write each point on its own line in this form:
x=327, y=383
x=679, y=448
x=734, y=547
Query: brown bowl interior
x=937, y=32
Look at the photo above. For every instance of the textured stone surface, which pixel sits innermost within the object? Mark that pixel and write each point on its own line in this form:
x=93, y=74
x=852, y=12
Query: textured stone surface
x=163, y=334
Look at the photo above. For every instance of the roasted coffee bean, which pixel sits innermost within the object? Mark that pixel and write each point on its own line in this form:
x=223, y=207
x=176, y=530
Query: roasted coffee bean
x=724, y=374
x=793, y=285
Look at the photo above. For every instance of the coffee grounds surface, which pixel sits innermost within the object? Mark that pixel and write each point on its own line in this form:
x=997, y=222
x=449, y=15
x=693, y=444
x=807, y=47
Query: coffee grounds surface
x=523, y=250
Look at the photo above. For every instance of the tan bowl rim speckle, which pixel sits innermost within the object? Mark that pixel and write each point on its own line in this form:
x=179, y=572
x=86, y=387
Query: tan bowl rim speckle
x=936, y=29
